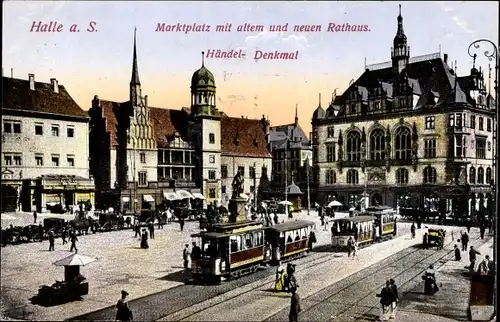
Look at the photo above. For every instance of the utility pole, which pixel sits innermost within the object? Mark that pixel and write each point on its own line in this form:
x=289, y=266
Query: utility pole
x=133, y=176
x=286, y=177
x=255, y=186
x=308, y=191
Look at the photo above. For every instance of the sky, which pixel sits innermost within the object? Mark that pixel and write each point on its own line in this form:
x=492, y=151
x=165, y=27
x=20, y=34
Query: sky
x=100, y=62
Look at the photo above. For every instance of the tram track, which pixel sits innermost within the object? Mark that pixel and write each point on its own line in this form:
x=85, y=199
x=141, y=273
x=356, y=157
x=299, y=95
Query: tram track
x=352, y=308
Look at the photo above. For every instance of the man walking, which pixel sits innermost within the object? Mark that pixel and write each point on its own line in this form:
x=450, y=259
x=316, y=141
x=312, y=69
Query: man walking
x=465, y=241
x=385, y=300
x=181, y=223
x=472, y=258
x=34, y=216
x=123, y=311
x=51, y=241
x=395, y=298
x=350, y=245
x=73, y=239
x=482, y=230
x=294, y=303
x=151, y=228
x=185, y=255
x=413, y=230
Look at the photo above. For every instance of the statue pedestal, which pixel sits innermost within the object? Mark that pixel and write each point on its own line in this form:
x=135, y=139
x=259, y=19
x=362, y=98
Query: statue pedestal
x=237, y=211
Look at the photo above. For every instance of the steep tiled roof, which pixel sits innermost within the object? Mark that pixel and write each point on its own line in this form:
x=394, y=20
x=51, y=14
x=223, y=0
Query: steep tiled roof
x=243, y=137
x=240, y=136
x=17, y=95
x=297, y=136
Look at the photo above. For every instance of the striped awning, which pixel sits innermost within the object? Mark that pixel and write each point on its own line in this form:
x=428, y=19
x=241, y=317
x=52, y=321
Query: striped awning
x=170, y=196
x=198, y=195
x=148, y=198
x=183, y=194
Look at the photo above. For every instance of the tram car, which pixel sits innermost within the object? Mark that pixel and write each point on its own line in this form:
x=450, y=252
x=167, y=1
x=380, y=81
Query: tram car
x=288, y=240
x=237, y=249
x=376, y=224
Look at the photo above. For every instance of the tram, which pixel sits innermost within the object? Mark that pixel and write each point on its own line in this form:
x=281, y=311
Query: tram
x=237, y=249
x=374, y=225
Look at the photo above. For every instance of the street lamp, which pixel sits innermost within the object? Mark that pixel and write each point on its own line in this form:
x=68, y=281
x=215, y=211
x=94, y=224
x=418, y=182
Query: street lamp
x=490, y=56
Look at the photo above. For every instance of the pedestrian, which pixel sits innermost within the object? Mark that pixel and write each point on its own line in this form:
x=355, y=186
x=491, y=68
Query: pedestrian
x=355, y=250
x=322, y=218
x=413, y=230
x=468, y=225
x=484, y=266
x=350, y=242
x=472, y=258
x=181, y=223
x=40, y=232
x=276, y=219
x=294, y=303
x=34, y=216
x=144, y=239
x=385, y=300
x=186, y=254
x=458, y=256
x=73, y=239
x=465, y=241
x=311, y=241
x=482, y=230
x=160, y=221
x=51, y=241
x=151, y=228
x=137, y=229
x=123, y=311
x=395, y=298
x=279, y=284
x=64, y=235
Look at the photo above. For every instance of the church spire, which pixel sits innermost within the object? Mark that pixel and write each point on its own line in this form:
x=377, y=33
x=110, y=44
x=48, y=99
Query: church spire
x=135, y=71
x=400, y=34
x=296, y=114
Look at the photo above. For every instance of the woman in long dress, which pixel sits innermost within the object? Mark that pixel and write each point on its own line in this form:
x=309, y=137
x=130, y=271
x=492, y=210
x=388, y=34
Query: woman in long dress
x=144, y=239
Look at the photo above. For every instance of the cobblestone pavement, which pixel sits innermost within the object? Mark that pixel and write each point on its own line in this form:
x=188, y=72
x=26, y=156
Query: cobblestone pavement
x=121, y=265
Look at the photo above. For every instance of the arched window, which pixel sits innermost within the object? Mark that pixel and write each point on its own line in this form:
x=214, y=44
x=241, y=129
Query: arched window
x=402, y=176
x=480, y=175
x=353, y=146
x=331, y=177
x=352, y=177
x=472, y=175
x=430, y=175
x=488, y=175
x=402, y=142
x=377, y=145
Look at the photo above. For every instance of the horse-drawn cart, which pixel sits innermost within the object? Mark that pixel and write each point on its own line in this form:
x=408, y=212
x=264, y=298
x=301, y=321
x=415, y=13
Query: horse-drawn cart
x=54, y=224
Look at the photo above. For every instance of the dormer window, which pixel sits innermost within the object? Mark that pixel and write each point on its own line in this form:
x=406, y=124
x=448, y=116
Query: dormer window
x=352, y=108
x=376, y=106
x=402, y=102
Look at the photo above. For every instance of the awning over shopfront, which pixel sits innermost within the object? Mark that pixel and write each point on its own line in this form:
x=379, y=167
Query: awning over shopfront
x=148, y=198
x=183, y=194
x=171, y=196
x=125, y=199
x=198, y=195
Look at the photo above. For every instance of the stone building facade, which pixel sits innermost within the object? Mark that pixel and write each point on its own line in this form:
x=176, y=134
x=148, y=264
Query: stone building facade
x=140, y=154
x=408, y=133
x=44, y=147
x=292, y=158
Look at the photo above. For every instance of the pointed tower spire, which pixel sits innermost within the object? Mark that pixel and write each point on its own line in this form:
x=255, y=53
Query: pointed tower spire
x=202, y=59
x=296, y=114
x=135, y=71
x=319, y=105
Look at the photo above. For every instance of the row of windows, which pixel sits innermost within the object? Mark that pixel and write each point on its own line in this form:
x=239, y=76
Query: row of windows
x=14, y=127
x=402, y=176
x=459, y=120
x=10, y=159
x=290, y=154
x=480, y=175
x=241, y=170
x=247, y=241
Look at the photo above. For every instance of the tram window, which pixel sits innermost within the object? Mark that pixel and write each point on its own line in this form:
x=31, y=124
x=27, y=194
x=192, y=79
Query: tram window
x=296, y=234
x=235, y=243
x=259, y=241
x=304, y=231
x=289, y=239
x=248, y=241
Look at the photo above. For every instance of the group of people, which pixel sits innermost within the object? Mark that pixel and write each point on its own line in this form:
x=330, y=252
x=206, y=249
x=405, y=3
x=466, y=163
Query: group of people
x=67, y=232
x=388, y=300
x=287, y=282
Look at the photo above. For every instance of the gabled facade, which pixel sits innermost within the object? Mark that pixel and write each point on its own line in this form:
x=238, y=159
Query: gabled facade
x=408, y=133
x=44, y=147
x=141, y=153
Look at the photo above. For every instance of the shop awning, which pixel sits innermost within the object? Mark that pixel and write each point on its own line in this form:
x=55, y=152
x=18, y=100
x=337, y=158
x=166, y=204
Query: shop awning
x=183, y=194
x=171, y=196
x=197, y=195
x=125, y=199
x=51, y=204
x=148, y=198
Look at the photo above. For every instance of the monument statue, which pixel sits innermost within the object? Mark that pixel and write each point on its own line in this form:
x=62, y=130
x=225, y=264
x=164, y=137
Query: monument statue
x=237, y=185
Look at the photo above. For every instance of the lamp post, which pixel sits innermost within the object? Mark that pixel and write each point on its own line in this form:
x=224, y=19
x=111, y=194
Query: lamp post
x=286, y=176
x=308, y=190
x=492, y=55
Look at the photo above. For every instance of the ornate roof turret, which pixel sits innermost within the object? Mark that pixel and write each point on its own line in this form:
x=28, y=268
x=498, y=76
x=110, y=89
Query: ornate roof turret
x=400, y=37
x=202, y=77
x=319, y=113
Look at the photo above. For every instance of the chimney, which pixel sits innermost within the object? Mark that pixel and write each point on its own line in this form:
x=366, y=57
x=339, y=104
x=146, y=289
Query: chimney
x=55, y=85
x=146, y=101
x=95, y=101
x=12, y=73
x=32, y=81
x=446, y=58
